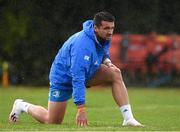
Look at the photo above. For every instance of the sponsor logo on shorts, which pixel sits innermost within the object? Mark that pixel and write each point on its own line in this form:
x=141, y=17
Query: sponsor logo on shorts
x=56, y=94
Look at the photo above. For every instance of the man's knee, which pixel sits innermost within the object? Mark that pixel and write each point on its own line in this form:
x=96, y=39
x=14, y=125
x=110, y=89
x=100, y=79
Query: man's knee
x=116, y=75
x=46, y=120
x=53, y=121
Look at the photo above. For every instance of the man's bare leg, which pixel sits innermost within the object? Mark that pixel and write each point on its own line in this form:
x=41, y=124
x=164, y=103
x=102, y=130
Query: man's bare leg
x=54, y=114
x=119, y=91
x=112, y=75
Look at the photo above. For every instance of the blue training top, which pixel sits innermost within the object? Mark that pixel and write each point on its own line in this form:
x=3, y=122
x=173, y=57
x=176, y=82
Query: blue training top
x=77, y=61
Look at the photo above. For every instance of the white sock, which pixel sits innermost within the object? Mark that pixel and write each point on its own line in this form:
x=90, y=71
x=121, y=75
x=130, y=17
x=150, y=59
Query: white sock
x=24, y=106
x=126, y=112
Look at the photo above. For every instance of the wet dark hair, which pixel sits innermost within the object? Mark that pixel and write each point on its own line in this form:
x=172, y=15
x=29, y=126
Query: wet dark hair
x=103, y=16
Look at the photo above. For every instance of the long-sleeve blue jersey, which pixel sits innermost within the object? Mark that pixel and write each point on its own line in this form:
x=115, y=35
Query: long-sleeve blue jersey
x=77, y=61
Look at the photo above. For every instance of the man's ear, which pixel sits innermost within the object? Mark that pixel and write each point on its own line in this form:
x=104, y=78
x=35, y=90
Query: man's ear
x=95, y=28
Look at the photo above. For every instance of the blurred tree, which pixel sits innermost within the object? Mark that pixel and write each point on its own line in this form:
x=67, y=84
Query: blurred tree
x=31, y=31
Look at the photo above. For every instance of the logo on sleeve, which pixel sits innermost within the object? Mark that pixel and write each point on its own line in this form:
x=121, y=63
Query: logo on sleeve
x=86, y=57
x=96, y=63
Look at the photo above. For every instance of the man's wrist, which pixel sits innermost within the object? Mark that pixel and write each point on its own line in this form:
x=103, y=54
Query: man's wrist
x=80, y=106
x=81, y=109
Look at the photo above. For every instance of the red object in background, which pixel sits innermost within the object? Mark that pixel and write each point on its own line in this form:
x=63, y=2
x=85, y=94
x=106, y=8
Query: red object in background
x=171, y=60
x=136, y=54
x=139, y=47
x=136, y=39
x=114, y=49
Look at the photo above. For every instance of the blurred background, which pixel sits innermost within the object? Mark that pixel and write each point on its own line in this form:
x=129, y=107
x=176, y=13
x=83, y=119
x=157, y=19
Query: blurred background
x=145, y=45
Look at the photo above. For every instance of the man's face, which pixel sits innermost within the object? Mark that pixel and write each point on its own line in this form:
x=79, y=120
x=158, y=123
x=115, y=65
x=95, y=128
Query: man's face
x=105, y=30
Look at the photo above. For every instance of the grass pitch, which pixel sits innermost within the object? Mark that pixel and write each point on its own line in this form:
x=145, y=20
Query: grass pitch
x=157, y=109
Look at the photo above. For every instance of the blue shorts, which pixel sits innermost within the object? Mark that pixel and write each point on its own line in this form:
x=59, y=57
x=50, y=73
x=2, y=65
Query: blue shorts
x=59, y=95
